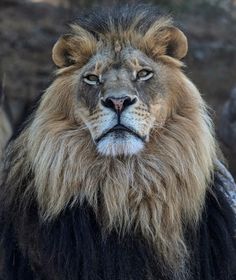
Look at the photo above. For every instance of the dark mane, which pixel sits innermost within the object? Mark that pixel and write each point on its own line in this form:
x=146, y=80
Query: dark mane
x=72, y=247
x=120, y=17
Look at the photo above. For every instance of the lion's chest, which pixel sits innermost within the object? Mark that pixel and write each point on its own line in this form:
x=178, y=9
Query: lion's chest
x=73, y=247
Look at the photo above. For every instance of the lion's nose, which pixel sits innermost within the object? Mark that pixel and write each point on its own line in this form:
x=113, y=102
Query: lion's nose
x=118, y=104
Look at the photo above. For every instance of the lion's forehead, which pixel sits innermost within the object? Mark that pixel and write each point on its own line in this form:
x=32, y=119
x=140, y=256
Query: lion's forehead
x=128, y=59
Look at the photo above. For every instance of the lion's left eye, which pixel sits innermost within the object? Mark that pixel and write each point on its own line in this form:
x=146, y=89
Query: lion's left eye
x=91, y=79
x=144, y=74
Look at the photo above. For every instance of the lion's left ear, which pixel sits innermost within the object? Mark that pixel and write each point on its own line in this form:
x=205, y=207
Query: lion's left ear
x=166, y=40
x=177, y=45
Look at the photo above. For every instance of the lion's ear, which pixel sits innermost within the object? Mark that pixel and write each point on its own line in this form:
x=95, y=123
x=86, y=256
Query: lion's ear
x=177, y=45
x=74, y=48
x=166, y=40
x=60, y=52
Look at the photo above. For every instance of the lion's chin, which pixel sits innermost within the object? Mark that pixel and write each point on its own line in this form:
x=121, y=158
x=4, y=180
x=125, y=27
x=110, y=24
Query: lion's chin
x=111, y=145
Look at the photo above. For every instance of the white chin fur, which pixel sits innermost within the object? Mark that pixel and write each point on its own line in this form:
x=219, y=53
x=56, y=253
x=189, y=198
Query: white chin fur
x=113, y=146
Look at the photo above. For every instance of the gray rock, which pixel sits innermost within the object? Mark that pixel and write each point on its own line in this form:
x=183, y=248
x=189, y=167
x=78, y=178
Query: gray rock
x=227, y=129
x=229, y=186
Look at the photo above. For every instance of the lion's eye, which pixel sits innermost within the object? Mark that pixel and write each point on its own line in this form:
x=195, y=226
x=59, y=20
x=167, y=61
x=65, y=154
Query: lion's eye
x=144, y=74
x=91, y=79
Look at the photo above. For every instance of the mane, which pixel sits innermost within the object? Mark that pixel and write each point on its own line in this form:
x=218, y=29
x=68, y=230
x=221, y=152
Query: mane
x=158, y=192
x=132, y=25
x=127, y=17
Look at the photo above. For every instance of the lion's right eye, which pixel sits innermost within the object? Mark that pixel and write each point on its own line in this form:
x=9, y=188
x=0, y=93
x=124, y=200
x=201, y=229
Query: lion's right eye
x=91, y=79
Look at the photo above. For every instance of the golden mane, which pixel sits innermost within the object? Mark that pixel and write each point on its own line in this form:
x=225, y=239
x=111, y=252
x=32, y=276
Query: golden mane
x=157, y=192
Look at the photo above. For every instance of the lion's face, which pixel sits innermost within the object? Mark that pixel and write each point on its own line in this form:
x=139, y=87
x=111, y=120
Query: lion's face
x=116, y=96
x=121, y=81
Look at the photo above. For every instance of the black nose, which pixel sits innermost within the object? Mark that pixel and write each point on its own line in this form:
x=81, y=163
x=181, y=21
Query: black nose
x=118, y=104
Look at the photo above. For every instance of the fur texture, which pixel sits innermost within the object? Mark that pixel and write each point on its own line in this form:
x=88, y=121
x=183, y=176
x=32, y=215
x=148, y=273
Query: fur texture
x=75, y=213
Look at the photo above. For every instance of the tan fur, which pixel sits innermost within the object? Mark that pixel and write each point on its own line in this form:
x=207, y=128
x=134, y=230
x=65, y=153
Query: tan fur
x=156, y=192
x=78, y=48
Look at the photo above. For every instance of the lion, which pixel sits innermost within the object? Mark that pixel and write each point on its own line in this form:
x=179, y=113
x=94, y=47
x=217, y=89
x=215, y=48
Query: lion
x=115, y=176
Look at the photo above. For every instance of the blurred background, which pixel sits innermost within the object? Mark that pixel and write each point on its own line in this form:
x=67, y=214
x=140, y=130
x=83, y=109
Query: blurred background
x=28, y=30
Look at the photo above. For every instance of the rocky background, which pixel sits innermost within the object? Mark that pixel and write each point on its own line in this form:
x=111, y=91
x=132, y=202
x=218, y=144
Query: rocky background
x=28, y=30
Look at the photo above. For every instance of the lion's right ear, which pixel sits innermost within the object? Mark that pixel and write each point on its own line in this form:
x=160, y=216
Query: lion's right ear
x=74, y=48
x=60, y=52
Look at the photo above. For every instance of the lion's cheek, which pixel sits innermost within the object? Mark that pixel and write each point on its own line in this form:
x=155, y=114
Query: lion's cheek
x=159, y=114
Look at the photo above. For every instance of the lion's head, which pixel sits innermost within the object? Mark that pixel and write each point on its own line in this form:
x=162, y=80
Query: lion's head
x=122, y=71
x=123, y=129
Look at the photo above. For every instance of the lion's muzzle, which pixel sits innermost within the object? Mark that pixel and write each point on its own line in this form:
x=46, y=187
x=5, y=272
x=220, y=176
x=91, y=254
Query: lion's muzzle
x=120, y=133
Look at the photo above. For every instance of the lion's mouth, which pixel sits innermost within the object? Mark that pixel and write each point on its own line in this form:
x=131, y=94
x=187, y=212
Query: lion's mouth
x=119, y=129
